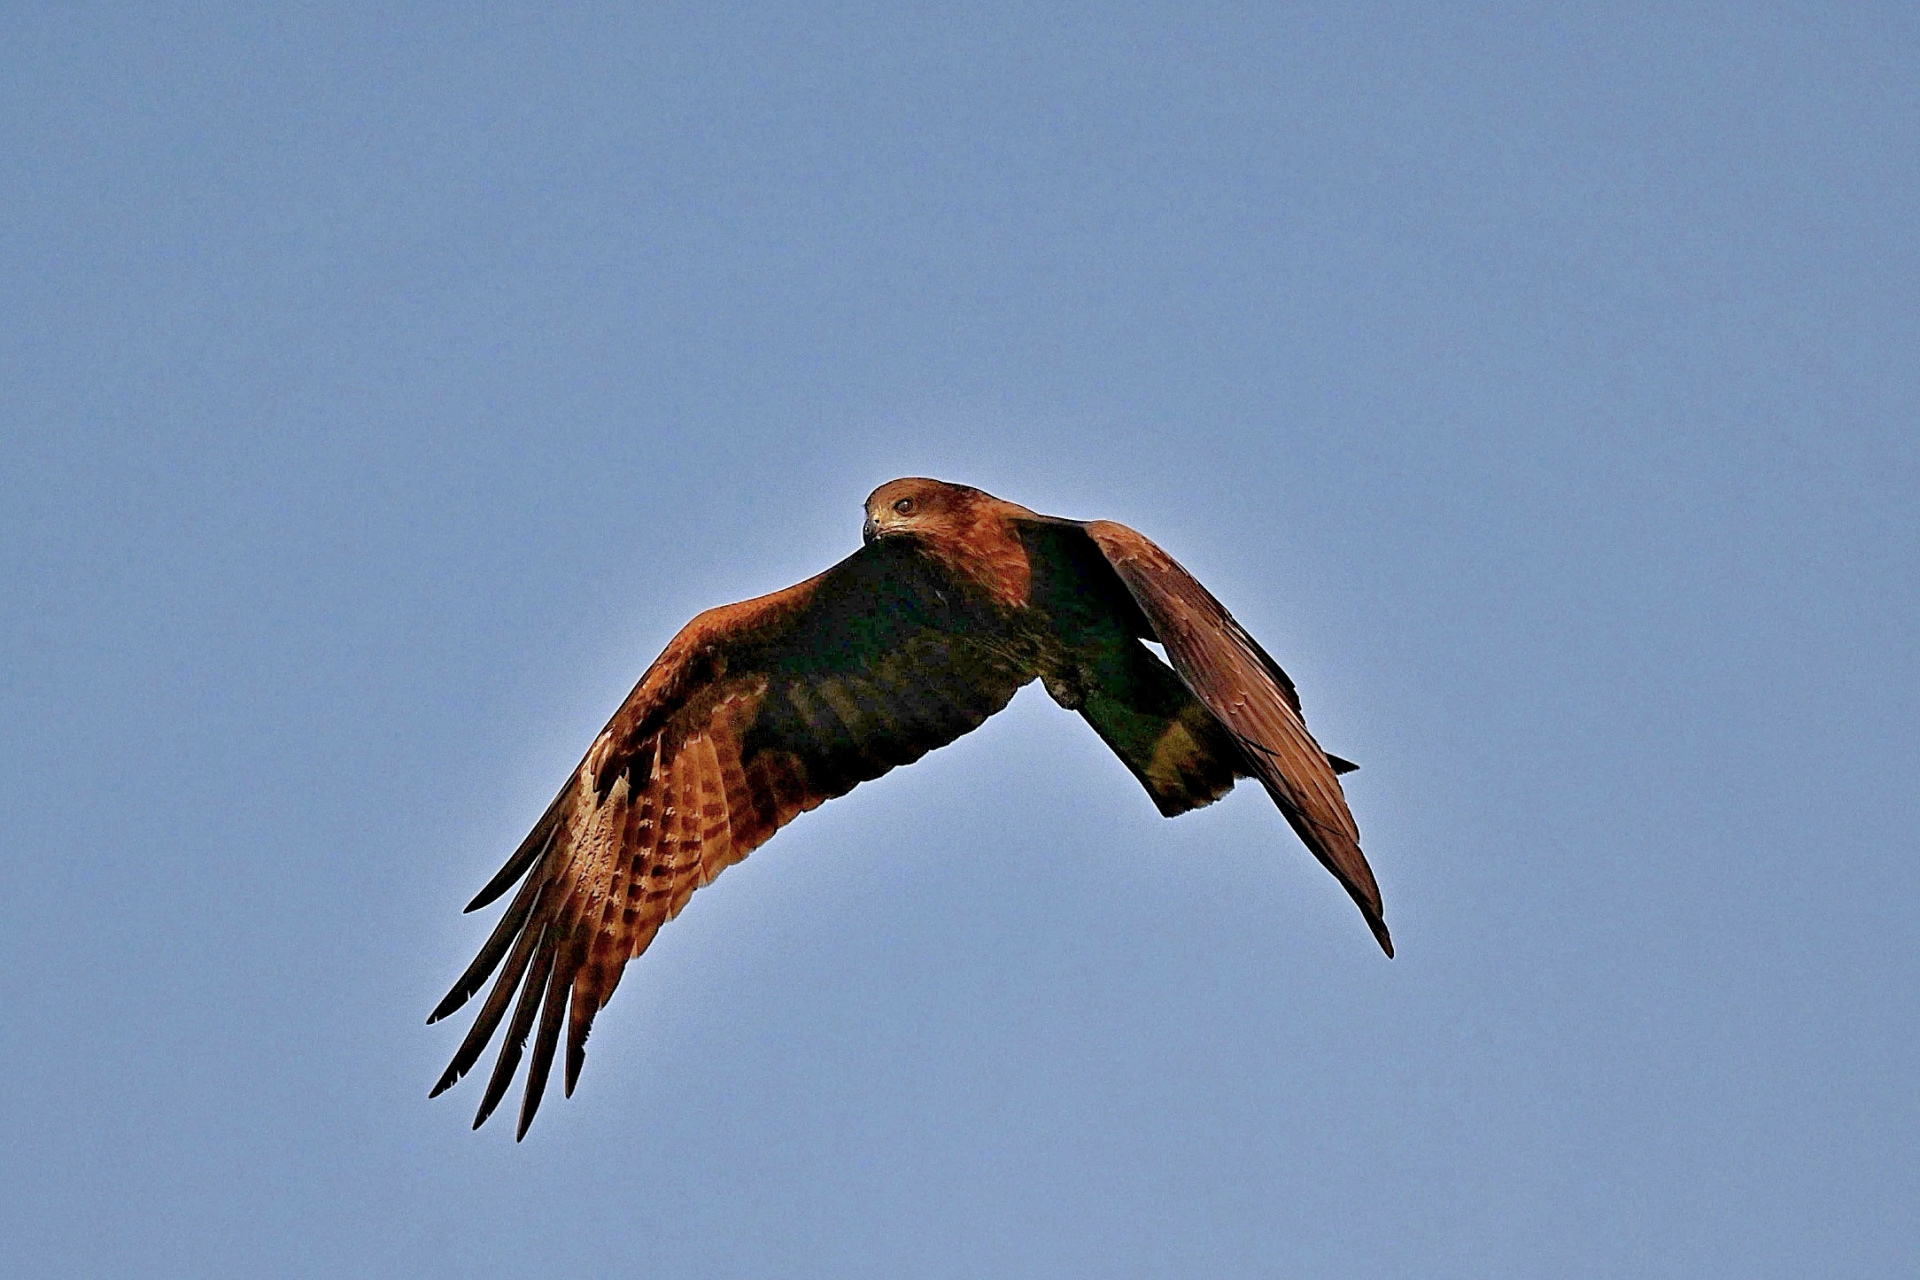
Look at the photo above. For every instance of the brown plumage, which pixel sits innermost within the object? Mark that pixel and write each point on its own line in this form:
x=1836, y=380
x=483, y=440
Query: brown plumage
x=759, y=711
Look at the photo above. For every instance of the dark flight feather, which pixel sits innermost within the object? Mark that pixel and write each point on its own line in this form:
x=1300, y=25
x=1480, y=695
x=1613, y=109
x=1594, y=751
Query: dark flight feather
x=538, y=841
x=491, y=1012
x=524, y=1011
x=553, y=1009
x=497, y=943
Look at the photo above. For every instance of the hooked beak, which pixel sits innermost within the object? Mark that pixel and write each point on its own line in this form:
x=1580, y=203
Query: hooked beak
x=868, y=532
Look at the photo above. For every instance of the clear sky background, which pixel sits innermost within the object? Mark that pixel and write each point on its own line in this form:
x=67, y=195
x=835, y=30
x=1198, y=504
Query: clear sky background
x=380, y=391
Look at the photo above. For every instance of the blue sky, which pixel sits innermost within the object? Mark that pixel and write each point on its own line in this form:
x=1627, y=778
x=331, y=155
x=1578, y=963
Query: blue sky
x=383, y=389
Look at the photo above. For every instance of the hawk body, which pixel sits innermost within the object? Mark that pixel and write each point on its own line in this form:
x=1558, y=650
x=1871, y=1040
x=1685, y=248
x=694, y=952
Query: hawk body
x=759, y=711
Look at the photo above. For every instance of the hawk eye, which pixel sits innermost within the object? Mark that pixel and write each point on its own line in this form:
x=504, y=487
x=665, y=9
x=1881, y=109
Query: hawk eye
x=903, y=506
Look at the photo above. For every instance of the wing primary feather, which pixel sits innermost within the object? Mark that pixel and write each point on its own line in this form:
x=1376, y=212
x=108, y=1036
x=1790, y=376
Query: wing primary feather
x=580, y=1026
x=516, y=1040
x=1334, y=848
x=551, y=1016
x=538, y=841
x=490, y=1014
x=496, y=945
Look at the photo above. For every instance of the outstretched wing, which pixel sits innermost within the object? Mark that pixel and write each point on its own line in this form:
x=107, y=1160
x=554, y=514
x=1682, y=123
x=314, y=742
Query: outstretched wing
x=754, y=714
x=1249, y=694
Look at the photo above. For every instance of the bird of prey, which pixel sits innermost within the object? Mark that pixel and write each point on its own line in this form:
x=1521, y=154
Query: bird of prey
x=759, y=711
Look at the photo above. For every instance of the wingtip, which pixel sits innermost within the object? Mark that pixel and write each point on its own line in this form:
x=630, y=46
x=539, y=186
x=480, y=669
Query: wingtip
x=496, y=1089
x=487, y=1104
x=576, y=1058
x=1381, y=936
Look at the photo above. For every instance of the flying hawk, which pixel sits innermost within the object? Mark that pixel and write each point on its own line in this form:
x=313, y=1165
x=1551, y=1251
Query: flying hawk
x=761, y=710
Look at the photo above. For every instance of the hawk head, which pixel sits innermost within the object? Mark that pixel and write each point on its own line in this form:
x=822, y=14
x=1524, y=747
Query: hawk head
x=918, y=507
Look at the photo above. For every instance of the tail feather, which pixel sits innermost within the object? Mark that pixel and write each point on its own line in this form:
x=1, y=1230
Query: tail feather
x=1149, y=718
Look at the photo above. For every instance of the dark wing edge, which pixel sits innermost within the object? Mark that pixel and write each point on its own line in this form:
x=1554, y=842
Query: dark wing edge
x=753, y=714
x=1236, y=680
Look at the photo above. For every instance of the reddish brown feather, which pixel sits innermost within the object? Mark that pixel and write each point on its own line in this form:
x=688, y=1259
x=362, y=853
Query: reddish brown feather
x=1228, y=672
